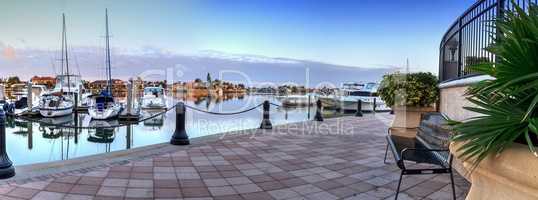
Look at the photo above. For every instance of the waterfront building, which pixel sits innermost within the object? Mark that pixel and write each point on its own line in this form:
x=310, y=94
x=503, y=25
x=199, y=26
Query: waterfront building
x=48, y=81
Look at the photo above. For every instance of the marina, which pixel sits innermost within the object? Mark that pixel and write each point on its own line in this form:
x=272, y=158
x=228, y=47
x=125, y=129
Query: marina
x=263, y=100
x=42, y=141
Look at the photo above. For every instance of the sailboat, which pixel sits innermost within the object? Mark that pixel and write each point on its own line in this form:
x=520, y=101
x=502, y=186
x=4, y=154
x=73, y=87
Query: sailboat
x=103, y=105
x=59, y=102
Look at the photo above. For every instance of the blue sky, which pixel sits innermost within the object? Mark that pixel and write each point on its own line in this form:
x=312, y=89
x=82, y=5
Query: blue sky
x=366, y=33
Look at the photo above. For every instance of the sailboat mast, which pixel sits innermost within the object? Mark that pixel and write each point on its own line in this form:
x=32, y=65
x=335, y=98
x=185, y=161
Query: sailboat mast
x=62, y=47
x=108, y=70
x=66, y=56
x=407, y=65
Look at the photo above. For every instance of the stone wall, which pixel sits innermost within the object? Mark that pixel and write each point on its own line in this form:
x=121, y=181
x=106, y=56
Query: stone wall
x=452, y=101
x=452, y=98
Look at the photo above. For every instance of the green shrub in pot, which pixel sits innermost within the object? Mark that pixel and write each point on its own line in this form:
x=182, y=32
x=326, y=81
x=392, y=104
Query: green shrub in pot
x=409, y=89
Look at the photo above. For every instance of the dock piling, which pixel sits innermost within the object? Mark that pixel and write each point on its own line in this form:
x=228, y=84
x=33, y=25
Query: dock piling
x=318, y=117
x=308, y=105
x=375, y=105
x=76, y=103
x=359, y=109
x=266, y=122
x=180, y=136
x=29, y=96
x=130, y=96
x=6, y=166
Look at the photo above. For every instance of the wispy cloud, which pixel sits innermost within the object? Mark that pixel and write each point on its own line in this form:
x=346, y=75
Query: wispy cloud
x=9, y=53
x=89, y=62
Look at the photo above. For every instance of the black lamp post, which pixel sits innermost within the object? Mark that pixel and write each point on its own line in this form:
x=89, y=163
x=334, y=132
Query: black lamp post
x=6, y=166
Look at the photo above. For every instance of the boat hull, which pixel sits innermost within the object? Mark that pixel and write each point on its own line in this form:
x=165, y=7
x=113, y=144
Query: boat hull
x=332, y=103
x=153, y=104
x=55, y=112
x=107, y=113
x=365, y=106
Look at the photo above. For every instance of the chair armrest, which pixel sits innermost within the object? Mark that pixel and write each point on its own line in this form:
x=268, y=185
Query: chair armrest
x=449, y=160
x=422, y=149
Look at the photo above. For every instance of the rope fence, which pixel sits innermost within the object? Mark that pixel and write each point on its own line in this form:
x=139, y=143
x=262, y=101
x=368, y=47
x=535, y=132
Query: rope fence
x=128, y=123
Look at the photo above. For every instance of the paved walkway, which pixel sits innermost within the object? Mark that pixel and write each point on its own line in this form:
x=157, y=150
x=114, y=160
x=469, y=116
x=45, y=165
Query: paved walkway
x=340, y=158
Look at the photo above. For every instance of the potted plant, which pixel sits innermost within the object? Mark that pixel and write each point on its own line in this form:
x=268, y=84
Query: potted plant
x=498, y=146
x=409, y=95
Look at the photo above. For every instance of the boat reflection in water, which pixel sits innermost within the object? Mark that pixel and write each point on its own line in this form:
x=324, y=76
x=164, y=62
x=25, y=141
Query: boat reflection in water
x=53, y=128
x=156, y=120
x=103, y=133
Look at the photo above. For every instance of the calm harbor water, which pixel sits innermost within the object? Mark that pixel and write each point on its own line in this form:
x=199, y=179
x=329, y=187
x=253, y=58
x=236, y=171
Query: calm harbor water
x=33, y=142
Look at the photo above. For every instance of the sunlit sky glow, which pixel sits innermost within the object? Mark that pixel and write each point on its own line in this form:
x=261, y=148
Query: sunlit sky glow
x=366, y=33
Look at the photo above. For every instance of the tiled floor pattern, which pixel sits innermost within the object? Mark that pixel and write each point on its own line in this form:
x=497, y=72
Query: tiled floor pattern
x=336, y=159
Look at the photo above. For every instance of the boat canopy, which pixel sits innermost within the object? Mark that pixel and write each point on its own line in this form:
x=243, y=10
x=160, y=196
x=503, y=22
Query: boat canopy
x=370, y=87
x=153, y=90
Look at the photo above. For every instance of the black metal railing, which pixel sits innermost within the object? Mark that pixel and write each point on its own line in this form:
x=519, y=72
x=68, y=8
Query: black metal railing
x=464, y=43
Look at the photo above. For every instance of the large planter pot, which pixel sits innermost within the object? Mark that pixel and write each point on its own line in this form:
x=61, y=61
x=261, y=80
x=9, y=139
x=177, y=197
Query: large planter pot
x=511, y=175
x=408, y=117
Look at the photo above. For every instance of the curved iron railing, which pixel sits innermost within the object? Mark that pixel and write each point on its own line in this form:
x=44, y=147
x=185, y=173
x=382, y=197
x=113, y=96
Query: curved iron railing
x=464, y=42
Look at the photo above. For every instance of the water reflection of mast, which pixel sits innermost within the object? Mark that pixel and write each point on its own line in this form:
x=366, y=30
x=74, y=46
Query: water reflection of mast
x=103, y=135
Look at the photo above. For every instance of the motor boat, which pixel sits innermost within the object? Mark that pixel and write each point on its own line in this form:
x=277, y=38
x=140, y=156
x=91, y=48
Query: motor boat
x=347, y=98
x=332, y=101
x=19, y=103
x=153, y=98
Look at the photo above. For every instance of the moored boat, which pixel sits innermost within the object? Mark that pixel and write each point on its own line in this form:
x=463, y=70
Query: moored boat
x=104, y=105
x=59, y=102
x=347, y=99
x=55, y=105
x=153, y=98
x=20, y=103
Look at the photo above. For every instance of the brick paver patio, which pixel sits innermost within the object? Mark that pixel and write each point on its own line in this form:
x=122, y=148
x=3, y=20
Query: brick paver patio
x=340, y=158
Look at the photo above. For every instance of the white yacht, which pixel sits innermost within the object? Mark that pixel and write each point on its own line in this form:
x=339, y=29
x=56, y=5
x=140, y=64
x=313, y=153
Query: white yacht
x=60, y=101
x=103, y=105
x=153, y=98
x=333, y=101
x=348, y=96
